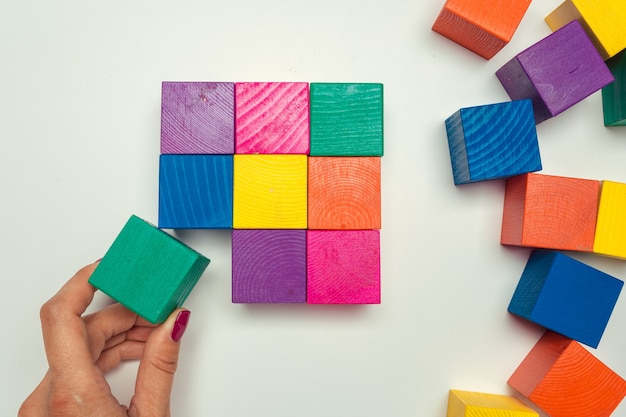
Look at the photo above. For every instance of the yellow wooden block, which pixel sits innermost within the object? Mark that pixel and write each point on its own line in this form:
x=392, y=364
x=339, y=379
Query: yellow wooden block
x=604, y=21
x=476, y=404
x=270, y=192
x=610, y=236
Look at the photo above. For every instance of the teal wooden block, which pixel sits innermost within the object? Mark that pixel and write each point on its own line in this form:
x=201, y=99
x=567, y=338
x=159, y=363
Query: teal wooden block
x=148, y=271
x=346, y=119
x=614, y=94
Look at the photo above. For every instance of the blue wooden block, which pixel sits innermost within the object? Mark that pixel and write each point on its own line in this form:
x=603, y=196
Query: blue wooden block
x=566, y=296
x=196, y=192
x=493, y=141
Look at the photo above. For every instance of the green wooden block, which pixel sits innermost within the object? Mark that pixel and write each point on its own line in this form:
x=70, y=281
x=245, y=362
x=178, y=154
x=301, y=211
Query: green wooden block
x=614, y=94
x=346, y=119
x=148, y=271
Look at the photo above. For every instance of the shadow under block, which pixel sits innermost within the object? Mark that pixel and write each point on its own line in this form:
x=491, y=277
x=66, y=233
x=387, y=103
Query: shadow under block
x=564, y=379
x=482, y=26
x=477, y=404
x=269, y=266
x=344, y=193
x=196, y=192
x=550, y=212
x=603, y=20
x=197, y=118
x=566, y=296
x=272, y=118
x=555, y=73
x=346, y=119
x=270, y=192
x=343, y=266
x=148, y=271
x=614, y=94
x=610, y=236
x=493, y=141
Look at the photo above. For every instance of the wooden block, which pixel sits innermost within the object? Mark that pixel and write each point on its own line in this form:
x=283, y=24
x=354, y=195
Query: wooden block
x=550, y=212
x=196, y=192
x=343, y=267
x=270, y=192
x=346, y=119
x=475, y=404
x=614, y=94
x=610, y=238
x=602, y=19
x=493, y=141
x=344, y=193
x=556, y=72
x=148, y=271
x=272, y=118
x=197, y=118
x=269, y=266
x=482, y=26
x=566, y=296
x=564, y=379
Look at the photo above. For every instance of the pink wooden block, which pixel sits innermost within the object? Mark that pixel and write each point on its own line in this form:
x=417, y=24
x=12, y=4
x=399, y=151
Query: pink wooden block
x=343, y=267
x=272, y=118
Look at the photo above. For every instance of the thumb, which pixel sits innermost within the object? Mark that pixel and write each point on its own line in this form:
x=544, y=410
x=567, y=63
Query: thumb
x=157, y=367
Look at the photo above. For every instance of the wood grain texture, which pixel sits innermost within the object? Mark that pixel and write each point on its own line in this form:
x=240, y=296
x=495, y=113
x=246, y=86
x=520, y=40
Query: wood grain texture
x=482, y=26
x=196, y=192
x=346, y=119
x=550, y=212
x=614, y=94
x=343, y=267
x=493, y=141
x=148, y=271
x=344, y=193
x=197, y=118
x=270, y=192
x=478, y=404
x=564, y=379
x=610, y=238
x=272, y=118
x=555, y=73
x=602, y=19
x=269, y=266
x=566, y=296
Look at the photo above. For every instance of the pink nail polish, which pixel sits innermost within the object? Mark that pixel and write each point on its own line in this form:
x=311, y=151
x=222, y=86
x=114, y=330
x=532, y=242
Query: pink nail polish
x=180, y=325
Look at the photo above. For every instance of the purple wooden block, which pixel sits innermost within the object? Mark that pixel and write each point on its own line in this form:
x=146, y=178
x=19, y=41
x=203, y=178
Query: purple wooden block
x=269, y=266
x=556, y=72
x=198, y=118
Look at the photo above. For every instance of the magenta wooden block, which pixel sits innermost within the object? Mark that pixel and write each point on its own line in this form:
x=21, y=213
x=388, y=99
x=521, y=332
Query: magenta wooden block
x=343, y=267
x=198, y=118
x=272, y=118
x=556, y=72
x=269, y=266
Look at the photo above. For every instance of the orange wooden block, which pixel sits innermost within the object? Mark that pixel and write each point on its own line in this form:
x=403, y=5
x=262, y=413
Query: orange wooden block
x=545, y=211
x=344, y=193
x=482, y=26
x=564, y=379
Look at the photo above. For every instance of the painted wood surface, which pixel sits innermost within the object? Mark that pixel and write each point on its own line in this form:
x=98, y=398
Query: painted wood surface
x=148, y=271
x=566, y=296
x=603, y=20
x=493, y=141
x=551, y=212
x=555, y=73
x=197, y=118
x=475, y=404
x=610, y=238
x=482, y=26
x=614, y=94
x=196, y=192
x=564, y=379
x=343, y=266
x=346, y=119
x=344, y=193
x=272, y=118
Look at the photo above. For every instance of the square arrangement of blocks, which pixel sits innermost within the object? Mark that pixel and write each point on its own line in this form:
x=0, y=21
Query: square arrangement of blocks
x=293, y=169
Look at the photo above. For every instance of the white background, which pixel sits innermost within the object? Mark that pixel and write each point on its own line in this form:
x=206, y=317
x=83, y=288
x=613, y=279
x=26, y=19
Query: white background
x=80, y=86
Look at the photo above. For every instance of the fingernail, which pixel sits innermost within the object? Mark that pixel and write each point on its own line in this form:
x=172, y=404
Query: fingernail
x=180, y=325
